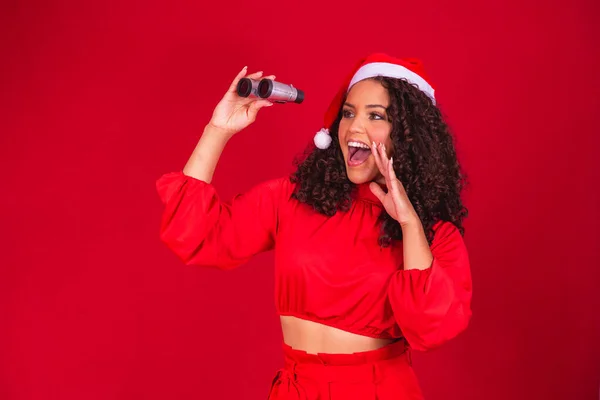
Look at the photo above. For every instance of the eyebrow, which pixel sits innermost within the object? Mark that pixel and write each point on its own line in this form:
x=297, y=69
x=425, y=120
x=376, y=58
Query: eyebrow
x=367, y=106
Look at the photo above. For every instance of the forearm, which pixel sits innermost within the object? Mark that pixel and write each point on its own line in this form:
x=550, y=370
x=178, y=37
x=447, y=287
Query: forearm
x=417, y=254
x=203, y=161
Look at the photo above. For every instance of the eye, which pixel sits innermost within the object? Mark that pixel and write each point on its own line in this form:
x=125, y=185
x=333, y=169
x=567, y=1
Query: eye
x=376, y=116
x=347, y=114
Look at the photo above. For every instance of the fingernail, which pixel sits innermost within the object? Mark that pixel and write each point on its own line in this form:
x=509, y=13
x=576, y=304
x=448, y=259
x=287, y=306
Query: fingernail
x=374, y=144
x=245, y=68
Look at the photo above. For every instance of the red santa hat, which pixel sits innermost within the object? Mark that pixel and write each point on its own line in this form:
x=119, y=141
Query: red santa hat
x=377, y=64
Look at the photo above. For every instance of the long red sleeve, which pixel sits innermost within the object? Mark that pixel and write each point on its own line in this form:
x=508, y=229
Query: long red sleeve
x=205, y=231
x=433, y=305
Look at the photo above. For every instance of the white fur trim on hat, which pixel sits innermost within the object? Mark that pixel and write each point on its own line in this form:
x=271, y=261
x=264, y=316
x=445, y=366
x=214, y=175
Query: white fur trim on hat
x=392, y=71
x=322, y=139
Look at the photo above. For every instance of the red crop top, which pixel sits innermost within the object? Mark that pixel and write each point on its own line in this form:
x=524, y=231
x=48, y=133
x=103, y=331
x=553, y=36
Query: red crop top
x=329, y=270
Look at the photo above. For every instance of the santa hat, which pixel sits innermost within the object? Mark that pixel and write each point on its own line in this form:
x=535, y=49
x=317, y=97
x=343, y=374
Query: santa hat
x=378, y=64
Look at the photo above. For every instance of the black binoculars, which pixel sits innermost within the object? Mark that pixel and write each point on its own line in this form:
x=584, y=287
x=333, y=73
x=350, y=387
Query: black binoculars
x=274, y=91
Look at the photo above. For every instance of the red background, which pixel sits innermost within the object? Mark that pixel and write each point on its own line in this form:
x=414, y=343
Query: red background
x=98, y=99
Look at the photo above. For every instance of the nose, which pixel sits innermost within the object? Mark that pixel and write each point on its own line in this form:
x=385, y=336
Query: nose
x=357, y=126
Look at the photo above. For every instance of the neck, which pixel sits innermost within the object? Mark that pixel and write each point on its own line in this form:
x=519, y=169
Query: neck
x=363, y=191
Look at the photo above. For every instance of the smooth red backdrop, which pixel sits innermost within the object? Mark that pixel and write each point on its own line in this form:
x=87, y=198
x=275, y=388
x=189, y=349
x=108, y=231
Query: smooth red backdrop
x=98, y=99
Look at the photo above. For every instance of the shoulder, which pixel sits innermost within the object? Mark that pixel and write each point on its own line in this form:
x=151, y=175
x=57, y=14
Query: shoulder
x=446, y=234
x=444, y=228
x=281, y=184
x=279, y=188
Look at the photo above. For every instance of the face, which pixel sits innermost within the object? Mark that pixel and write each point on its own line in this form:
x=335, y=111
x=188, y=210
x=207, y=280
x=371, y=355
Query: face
x=364, y=121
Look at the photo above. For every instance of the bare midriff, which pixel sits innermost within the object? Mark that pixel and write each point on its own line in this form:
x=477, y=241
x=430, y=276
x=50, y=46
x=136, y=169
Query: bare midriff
x=314, y=338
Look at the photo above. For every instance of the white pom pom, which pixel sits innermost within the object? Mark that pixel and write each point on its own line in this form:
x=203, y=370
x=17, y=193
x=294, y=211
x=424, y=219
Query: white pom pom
x=322, y=139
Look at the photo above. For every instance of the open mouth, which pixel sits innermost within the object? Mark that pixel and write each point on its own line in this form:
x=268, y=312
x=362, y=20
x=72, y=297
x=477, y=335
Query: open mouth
x=358, y=153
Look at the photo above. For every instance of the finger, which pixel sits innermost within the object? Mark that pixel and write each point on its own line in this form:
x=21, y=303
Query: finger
x=396, y=186
x=393, y=177
x=271, y=77
x=239, y=76
x=255, y=106
x=377, y=158
x=385, y=165
x=377, y=191
x=383, y=156
x=255, y=75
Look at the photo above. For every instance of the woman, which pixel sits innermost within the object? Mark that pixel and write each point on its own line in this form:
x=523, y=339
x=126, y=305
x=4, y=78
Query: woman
x=367, y=233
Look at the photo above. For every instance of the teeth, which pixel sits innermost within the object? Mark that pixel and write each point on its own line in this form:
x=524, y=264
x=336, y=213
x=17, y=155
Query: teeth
x=358, y=144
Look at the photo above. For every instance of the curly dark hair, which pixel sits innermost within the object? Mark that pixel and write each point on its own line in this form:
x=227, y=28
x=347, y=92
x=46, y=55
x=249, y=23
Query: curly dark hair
x=425, y=162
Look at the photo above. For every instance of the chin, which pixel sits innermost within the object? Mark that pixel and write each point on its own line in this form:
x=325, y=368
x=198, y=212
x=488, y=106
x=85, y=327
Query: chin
x=363, y=173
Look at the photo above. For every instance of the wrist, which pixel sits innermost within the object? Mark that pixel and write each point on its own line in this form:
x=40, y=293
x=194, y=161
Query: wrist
x=217, y=134
x=216, y=131
x=412, y=223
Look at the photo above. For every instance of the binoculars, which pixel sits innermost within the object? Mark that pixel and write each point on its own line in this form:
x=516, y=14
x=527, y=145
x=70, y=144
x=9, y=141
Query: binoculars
x=274, y=91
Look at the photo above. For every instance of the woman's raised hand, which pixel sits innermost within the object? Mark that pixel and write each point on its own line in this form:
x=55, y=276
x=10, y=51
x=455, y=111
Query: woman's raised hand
x=234, y=113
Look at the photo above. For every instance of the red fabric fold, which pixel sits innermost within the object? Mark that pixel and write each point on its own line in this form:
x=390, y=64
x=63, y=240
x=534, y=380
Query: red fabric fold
x=433, y=305
x=203, y=230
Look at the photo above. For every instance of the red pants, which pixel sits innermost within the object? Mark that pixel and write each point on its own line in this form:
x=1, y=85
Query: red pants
x=382, y=374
